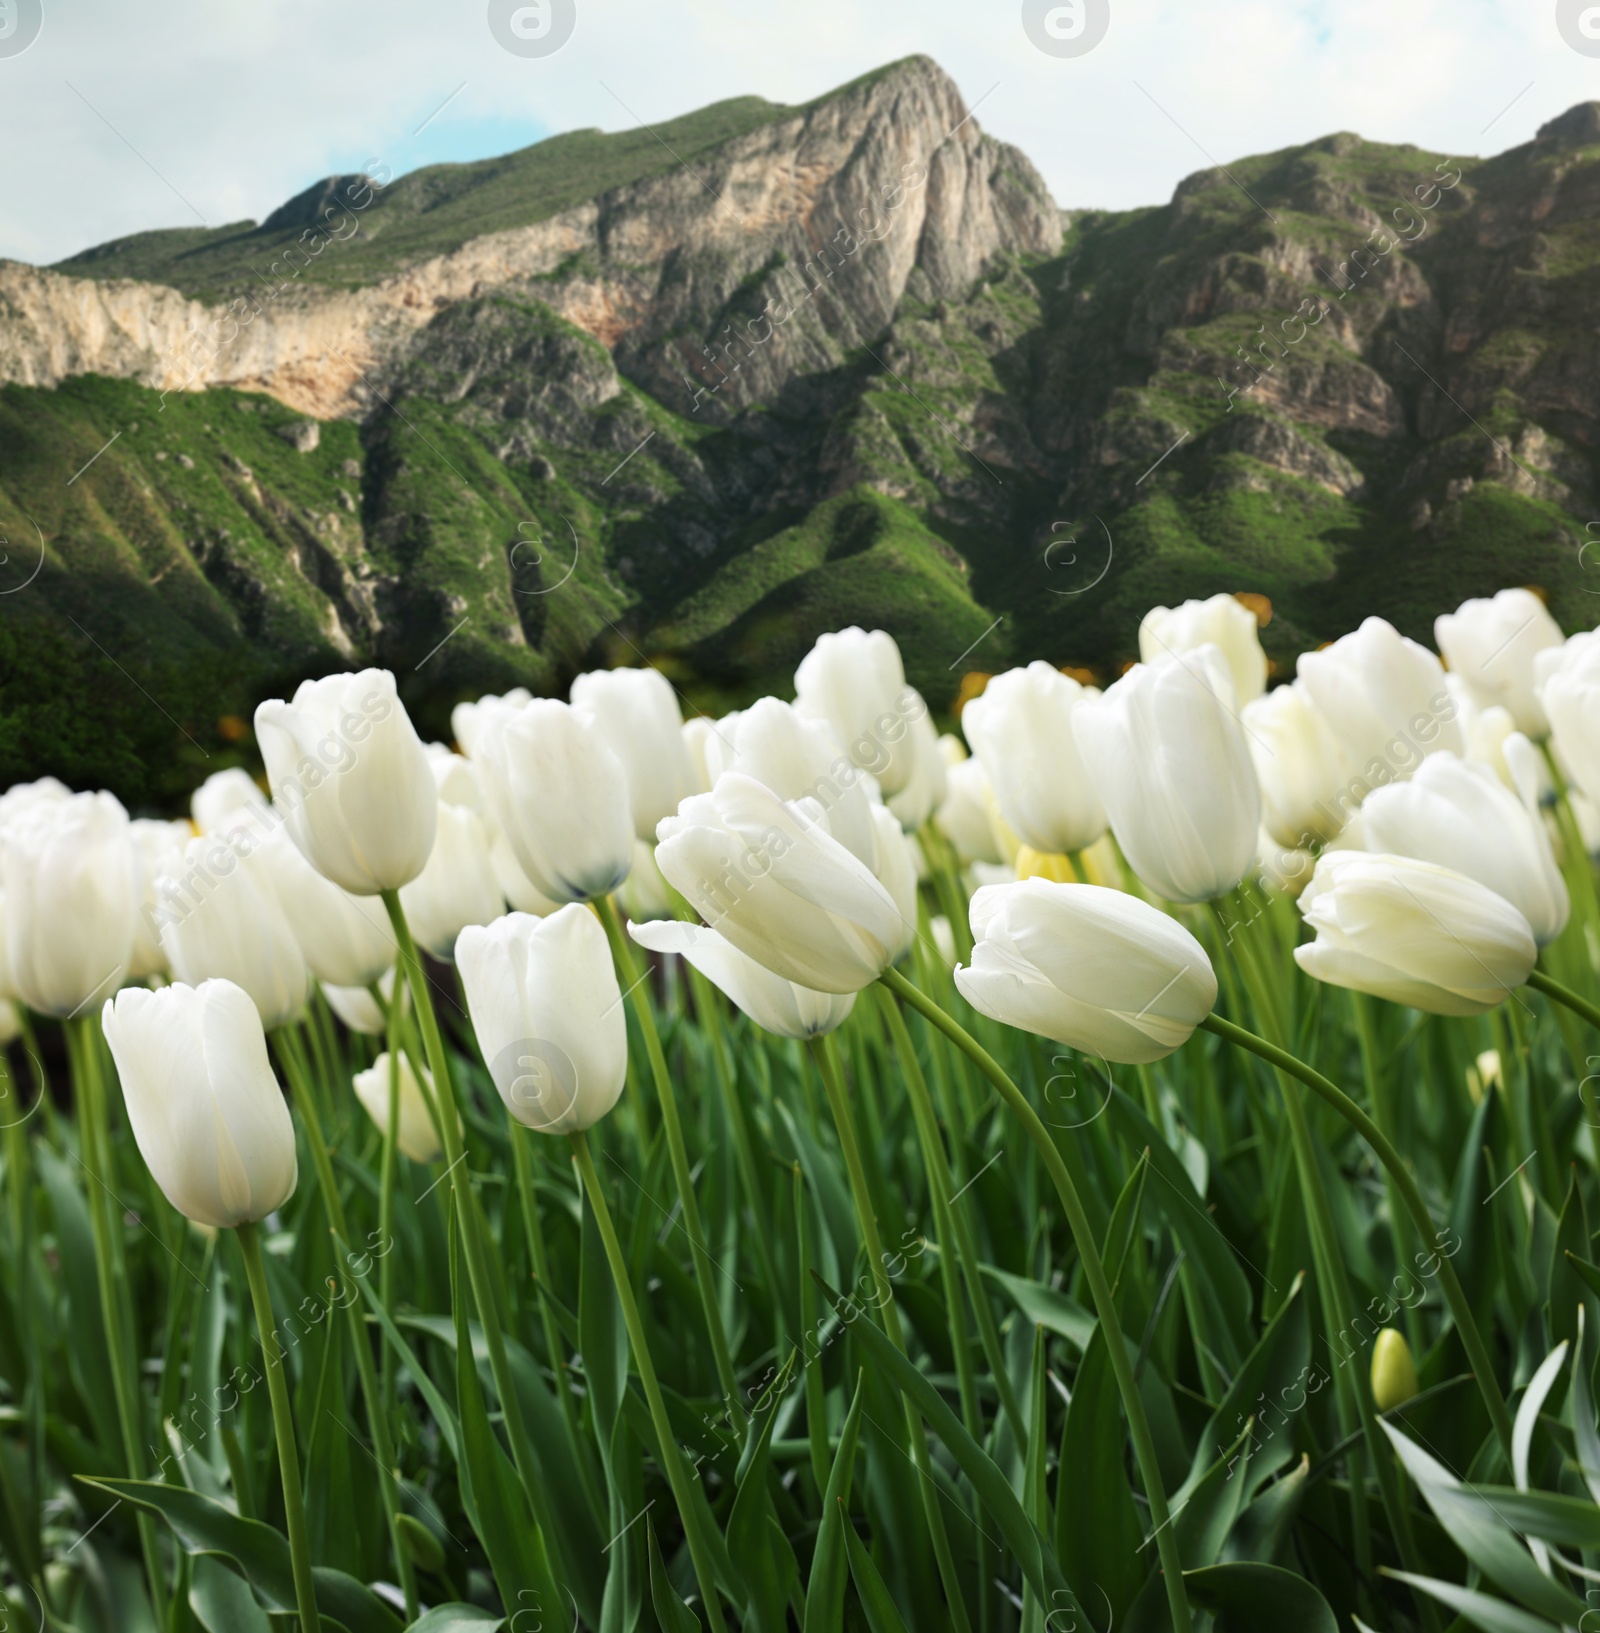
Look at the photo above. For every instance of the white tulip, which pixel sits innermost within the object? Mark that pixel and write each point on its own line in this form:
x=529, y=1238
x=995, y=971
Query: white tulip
x=924, y=789
x=10, y=1023
x=456, y=778
x=964, y=817
x=857, y=684
x=1304, y=776
x=159, y=849
x=465, y=717
x=774, y=881
x=547, y=1009
x=645, y=894
x=798, y=758
x=457, y=887
x=350, y=778
x=1092, y=968
x=637, y=713
x=773, y=1003
x=221, y=919
x=346, y=939
x=1386, y=699
x=695, y=733
x=1021, y=730
x=1459, y=815
x=230, y=799
x=1569, y=690
x=1221, y=621
x=205, y=1109
x=1413, y=933
x=1286, y=868
x=559, y=795
x=1487, y=731
x=1492, y=644
x=1170, y=761
x=24, y=796
x=898, y=869
x=417, y=1138
x=520, y=892
x=358, y=1009
x=71, y=879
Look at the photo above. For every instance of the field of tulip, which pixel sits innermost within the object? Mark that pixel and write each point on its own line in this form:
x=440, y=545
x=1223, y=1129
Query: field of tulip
x=1133, y=1165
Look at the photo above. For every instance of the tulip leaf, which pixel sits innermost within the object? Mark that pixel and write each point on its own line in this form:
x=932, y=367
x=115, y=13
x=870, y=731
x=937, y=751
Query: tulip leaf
x=221, y=1599
x=256, y=1551
x=882, y=1614
x=1246, y=1597
x=673, y=1614
x=756, y=1544
x=1047, y=1308
x=1492, y=1615
x=825, y=1587
x=458, y=1618
x=1261, y=1533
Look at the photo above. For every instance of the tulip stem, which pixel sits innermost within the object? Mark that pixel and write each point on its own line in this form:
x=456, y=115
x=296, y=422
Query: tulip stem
x=1410, y=1195
x=671, y=1456
x=622, y=954
x=1579, y=1005
x=472, y=1235
x=305, y=1591
x=372, y=1393
x=1094, y=1272
x=387, y=1179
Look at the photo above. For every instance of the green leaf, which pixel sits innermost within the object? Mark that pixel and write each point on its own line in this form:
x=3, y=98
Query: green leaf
x=256, y=1551
x=753, y=1530
x=825, y=1589
x=1492, y=1615
x=1246, y=1598
x=1262, y=1531
x=221, y=1599
x=882, y=1614
x=457, y=1619
x=1203, y=1519
x=1045, y=1307
x=673, y=1614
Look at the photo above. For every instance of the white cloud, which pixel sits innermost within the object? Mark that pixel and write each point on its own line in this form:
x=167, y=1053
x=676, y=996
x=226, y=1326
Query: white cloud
x=227, y=111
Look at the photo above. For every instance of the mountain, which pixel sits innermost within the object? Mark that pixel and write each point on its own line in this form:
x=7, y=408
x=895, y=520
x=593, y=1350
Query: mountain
x=695, y=393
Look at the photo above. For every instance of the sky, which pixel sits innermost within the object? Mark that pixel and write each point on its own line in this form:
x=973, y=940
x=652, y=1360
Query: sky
x=116, y=119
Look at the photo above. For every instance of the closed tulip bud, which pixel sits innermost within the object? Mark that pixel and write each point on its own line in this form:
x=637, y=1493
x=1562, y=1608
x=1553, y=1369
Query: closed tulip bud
x=357, y=1008
x=774, y=881
x=520, y=892
x=1492, y=644
x=227, y=800
x=1569, y=690
x=465, y=717
x=695, y=733
x=417, y=1138
x=350, y=778
x=71, y=899
x=1413, y=933
x=1386, y=699
x=798, y=758
x=222, y=920
x=898, y=855
x=1170, y=761
x=1305, y=780
x=1021, y=730
x=857, y=684
x=456, y=778
x=964, y=817
x=1394, y=1373
x=547, y=1009
x=1094, y=969
x=559, y=795
x=456, y=888
x=773, y=1003
x=645, y=894
x=346, y=939
x=1460, y=815
x=1487, y=732
x=205, y=1109
x=925, y=787
x=158, y=847
x=1221, y=621
x=944, y=940
x=637, y=713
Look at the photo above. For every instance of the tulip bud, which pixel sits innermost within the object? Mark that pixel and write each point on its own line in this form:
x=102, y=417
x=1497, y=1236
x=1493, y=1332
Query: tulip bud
x=1493, y=644
x=227, y=800
x=205, y=1109
x=350, y=777
x=457, y=887
x=1386, y=700
x=1413, y=933
x=71, y=899
x=695, y=733
x=417, y=1138
x=456, y=778
x=857, y=684
x=1569, y=691
x=896, y=871
x=773, y=1003
x=1021, y=730
x=645, y=894
x=221, y=920
x=547, y=1009
x=347, y=940
x=1304, y=776
x=357, y=1008
x=158, y=846
x=1222, y=621
x=465, y=718
x=24, y=796
x=774, y=881
x=559, y=795
x=1394, y=1373
x=1459, y=815
x=925, y=786
x=1168, y=756
x=964, y=817
x=637, y=713
x=1095, y=969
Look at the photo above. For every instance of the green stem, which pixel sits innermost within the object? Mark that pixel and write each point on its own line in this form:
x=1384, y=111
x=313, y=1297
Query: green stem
x=305, y=1592
x=472, y=1233
x=372, y=1393
x=839, y=1103
x=1410, y=1196
x=622, y=953
x=388, y=1177
x=671, y=1456
x=1094, y=1273
x=1551, y=988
